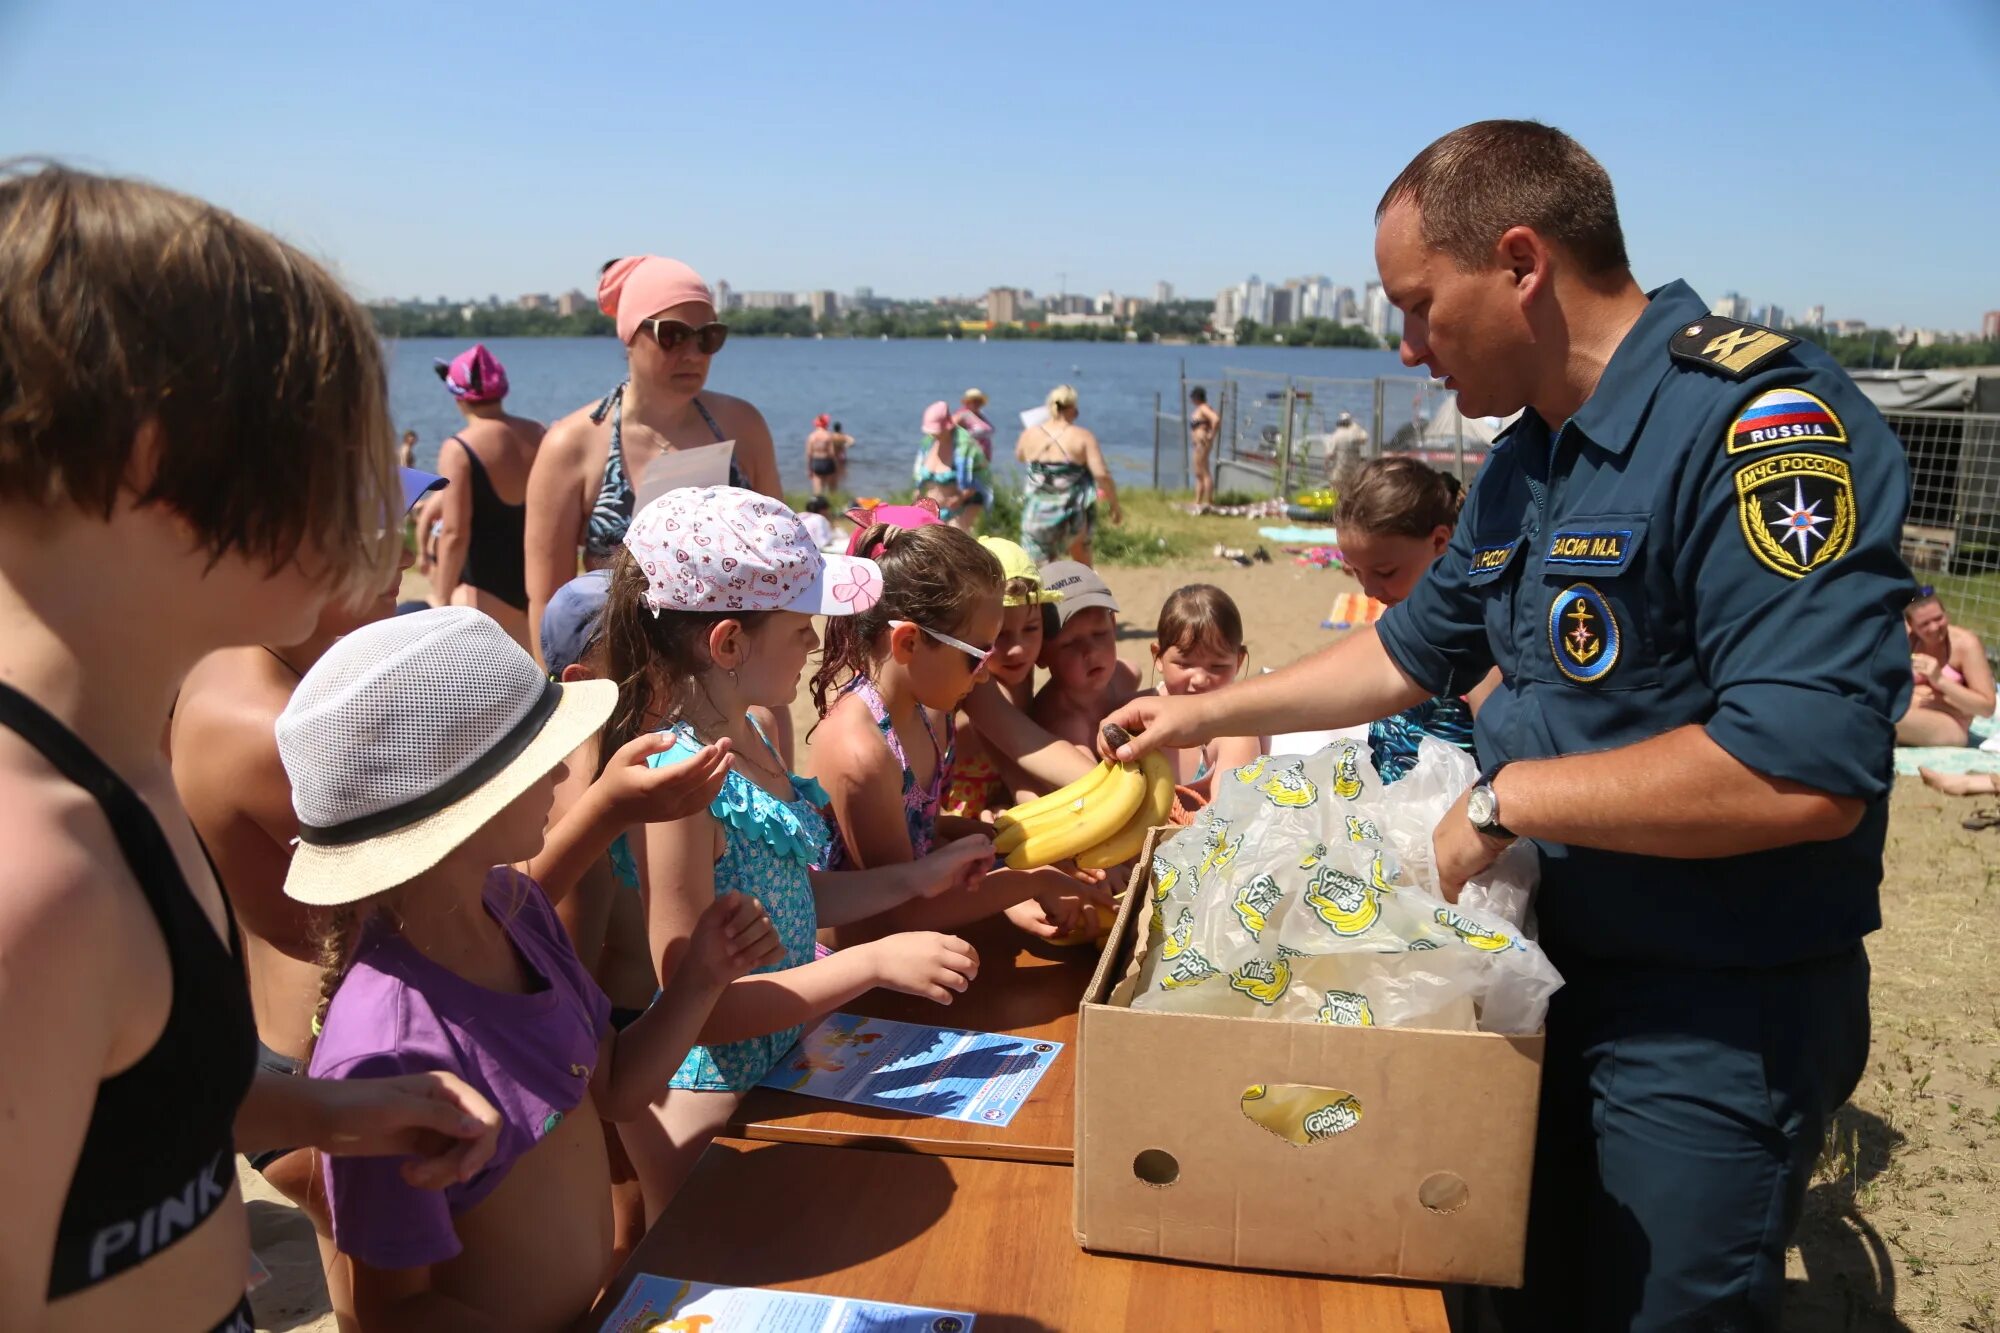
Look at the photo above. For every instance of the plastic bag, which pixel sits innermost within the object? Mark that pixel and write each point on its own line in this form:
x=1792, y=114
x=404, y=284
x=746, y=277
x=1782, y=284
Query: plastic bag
x=1306, y=892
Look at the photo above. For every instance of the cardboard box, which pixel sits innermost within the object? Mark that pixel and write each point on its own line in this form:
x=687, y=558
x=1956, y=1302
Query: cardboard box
x=1430, y=1183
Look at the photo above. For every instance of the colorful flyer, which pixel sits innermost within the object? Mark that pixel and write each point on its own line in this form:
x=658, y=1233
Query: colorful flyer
x=982, y=1077
x=670, y=1305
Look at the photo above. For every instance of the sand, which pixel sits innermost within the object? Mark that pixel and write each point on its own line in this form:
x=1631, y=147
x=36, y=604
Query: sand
x=1900, y=1225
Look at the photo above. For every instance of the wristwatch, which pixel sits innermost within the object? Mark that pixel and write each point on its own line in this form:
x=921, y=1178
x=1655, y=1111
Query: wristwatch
x=1482, y=805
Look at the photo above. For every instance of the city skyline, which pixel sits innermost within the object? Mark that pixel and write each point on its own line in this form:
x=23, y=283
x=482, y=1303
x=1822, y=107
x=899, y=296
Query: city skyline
x=795, y=147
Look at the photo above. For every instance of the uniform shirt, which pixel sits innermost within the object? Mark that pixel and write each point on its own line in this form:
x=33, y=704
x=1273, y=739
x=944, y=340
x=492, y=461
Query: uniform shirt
x=1701, y=544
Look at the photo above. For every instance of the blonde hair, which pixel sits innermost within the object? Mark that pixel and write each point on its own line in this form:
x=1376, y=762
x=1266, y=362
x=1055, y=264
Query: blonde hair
x=125, y=306
x=1061, y=397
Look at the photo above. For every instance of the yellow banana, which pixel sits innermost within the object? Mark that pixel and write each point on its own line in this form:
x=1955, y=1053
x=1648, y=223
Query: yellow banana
x=1058, y=807
x=1347, y=904
x=1061, y=835
x=1472, y=933
x=1254, y=903
x=1347, y=772
x=1123, y=845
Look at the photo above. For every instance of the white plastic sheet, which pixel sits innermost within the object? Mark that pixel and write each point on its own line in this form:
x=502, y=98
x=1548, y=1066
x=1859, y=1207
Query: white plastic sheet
x=1306, y=892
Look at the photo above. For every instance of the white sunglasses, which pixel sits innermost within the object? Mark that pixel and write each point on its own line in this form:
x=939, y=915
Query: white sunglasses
x=981, y=657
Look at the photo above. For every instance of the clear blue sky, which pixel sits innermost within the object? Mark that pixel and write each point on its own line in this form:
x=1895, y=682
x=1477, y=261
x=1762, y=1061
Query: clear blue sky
x=1832, y=152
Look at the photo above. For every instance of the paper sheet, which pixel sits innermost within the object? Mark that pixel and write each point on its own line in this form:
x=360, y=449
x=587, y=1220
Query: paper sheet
x=1034, y=417
x=981, y=1077
x=703, y=465
x=670, y=1305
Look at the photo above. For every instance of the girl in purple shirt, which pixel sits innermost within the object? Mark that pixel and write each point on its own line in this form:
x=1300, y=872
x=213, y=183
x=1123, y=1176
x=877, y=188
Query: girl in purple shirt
x=424, y=754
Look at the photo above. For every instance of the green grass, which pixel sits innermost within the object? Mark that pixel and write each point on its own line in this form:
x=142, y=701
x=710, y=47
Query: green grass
x=1973, y=600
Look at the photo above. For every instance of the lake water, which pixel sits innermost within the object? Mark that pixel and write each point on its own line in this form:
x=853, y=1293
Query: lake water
x=878, y=390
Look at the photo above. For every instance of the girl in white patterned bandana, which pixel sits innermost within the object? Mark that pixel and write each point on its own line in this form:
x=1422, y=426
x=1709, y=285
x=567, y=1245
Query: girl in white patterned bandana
x=710, y=612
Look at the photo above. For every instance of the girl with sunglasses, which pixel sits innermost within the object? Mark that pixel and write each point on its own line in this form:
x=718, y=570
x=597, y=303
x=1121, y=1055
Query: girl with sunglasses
x=582, y=490
x=889, y=682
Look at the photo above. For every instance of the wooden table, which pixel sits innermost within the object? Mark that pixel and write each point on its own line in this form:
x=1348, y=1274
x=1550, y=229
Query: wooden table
x=991, y=1238
x=1024, y=989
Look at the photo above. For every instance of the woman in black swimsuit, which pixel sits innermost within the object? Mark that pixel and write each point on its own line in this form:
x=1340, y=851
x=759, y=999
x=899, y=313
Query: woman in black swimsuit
x=195, y=452
x=581, y=493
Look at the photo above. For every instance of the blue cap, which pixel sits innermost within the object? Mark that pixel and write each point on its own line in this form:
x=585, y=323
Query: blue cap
x=416, y=484
x=571, y=619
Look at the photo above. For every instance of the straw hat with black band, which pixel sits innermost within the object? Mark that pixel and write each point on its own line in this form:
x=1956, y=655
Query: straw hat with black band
x=408, y=737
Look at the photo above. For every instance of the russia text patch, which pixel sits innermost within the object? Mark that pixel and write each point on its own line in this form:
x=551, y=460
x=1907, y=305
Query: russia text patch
x=1784, y=416
x=1797, y=510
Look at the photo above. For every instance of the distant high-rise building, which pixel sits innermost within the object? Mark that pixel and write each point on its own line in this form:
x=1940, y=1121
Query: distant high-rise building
x=1284, y=306
x=1771, y=316
x=725, y=299
x=1815, y=317
x=1227, y=310
x=1253, y=301
x=863, y=298
x=533, y=301
x=1163, y=292
x=1989, y=327
x=1107, y=302
x=824, y=304
x=1380, y=317
x=573, y=302
x=769, y=300
x=1003, y=306
x=1732, y=306
x=1345, y=308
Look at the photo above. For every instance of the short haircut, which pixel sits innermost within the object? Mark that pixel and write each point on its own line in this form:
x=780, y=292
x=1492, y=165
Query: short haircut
x=818, y=505
x=1198, y=394
x=1199, y=615
x=1473, y=184
x=1922, y=600
x=124, y=306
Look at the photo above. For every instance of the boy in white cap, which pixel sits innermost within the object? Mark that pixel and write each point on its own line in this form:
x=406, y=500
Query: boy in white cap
x=1080, y=649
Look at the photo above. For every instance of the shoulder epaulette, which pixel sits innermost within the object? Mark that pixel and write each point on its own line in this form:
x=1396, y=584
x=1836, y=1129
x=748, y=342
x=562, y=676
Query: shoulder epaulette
x=1727, y=346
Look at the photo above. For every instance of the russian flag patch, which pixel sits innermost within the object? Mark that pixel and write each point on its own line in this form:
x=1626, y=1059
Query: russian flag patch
x=1784, y=416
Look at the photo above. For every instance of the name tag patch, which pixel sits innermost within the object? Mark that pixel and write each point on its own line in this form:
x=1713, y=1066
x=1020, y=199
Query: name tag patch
x=1584, y=637
x=1602, y=547
x=1784, y=416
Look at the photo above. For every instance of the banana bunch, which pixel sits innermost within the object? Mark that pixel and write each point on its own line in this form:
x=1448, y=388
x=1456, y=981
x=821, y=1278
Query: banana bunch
x=1100, y=819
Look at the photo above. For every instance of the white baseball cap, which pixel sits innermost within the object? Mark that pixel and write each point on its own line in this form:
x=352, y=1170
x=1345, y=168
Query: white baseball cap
x=408, y=737
x=718, y=548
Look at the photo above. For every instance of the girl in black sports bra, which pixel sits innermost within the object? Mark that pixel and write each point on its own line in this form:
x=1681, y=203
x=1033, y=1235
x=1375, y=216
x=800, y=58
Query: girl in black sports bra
x=267, y=453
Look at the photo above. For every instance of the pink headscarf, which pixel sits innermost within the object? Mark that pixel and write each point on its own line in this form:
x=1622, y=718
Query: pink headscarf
x=633, y=290
x=936, y=417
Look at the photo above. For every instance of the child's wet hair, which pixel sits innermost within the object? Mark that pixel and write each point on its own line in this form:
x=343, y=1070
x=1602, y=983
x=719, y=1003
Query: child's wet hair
x=657, y=659
x=933, y=575
x=1399, y=497
x=1199, y=615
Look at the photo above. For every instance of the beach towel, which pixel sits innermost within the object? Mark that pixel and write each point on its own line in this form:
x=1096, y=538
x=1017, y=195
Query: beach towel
x=1982, y=756
x=1351, y=609
x=1320, y=536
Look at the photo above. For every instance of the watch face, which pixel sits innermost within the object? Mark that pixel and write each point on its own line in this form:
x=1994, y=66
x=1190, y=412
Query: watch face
x=1480, y=806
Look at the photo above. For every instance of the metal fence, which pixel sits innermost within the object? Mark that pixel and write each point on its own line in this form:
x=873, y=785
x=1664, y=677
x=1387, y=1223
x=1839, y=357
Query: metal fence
x=1951, y=537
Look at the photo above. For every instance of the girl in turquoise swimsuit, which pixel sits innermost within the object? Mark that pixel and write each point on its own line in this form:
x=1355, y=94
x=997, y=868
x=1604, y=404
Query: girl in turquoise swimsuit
x=695, y=671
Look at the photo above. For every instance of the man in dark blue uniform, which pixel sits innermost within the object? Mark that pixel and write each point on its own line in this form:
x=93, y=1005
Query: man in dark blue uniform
x=1683, y=559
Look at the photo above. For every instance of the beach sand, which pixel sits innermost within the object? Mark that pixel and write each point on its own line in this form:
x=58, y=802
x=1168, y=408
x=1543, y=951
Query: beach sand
x=1900, y=1224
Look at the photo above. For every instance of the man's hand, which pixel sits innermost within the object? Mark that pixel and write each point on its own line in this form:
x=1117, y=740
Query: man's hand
x=642, y=794
x=437, y=1116
x=1460, y=850
x=1155, y=721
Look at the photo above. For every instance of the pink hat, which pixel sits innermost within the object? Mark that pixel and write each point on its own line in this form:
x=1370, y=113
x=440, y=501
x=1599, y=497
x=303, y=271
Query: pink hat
x=475, y=375
x=923, y=514
x=633, y=290
x=717, y=548
x=936, y=417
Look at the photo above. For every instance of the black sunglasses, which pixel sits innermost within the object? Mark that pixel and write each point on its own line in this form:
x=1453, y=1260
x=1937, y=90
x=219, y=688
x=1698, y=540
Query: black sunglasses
x=671, y=333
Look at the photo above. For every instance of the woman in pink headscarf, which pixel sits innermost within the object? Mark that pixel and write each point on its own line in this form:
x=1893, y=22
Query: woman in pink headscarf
x=581, y=493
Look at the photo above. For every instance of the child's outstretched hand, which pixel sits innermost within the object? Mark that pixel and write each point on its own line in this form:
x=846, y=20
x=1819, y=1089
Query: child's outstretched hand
x=643, y=794
x=733, y=939
x=956, y=865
